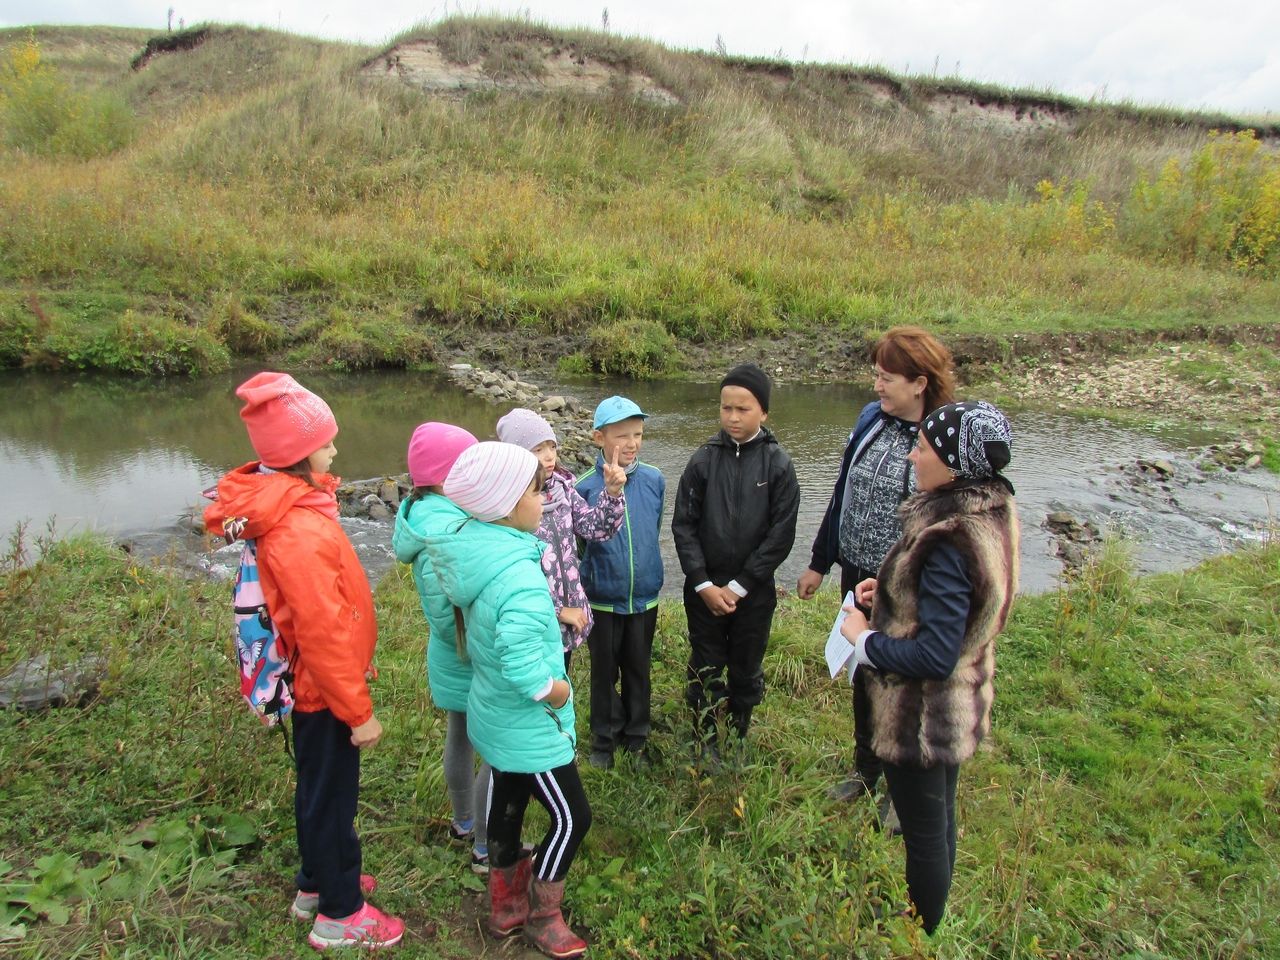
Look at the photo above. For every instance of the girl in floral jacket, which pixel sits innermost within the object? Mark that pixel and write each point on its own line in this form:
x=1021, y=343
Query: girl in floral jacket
x=565, y=517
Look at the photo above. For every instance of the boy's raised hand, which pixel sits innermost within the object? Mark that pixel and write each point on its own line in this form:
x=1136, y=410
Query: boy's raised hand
x=615, y=478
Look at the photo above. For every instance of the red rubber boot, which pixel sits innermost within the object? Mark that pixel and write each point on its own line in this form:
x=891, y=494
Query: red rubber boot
x=509, y=897
x=546, y=928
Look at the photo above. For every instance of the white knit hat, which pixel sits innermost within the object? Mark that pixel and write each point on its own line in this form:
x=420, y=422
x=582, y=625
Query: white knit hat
x=488, y=479
x=525, y=428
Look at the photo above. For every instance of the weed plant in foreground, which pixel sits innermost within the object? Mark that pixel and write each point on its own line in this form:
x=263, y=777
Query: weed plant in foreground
x=1127, y=805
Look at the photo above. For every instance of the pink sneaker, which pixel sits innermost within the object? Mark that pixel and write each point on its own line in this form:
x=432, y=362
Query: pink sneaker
x=368, y=927
x=306, y=904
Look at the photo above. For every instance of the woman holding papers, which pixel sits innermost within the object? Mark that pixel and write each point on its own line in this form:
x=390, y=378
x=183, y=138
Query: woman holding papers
x=928, y=653
x=911, y=374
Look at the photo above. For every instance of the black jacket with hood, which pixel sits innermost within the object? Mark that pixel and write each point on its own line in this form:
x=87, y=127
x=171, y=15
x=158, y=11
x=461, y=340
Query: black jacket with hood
x=735, y=512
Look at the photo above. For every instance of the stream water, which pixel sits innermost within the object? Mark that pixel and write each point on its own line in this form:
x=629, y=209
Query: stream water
x=129, y=458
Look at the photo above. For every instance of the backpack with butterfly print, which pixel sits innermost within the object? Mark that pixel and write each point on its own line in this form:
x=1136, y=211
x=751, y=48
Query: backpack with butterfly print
x=266, y=677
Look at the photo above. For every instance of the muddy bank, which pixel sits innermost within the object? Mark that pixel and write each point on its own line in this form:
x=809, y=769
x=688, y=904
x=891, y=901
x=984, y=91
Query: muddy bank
x=1165, y=373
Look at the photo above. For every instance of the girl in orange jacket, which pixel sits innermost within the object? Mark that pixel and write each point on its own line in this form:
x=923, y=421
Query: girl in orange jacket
x=320, y=601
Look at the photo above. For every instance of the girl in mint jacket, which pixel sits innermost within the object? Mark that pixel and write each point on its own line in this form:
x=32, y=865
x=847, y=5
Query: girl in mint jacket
x=520, y=708
x=426, y=512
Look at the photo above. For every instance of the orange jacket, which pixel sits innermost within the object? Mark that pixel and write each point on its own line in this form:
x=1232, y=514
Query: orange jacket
x=315, y=588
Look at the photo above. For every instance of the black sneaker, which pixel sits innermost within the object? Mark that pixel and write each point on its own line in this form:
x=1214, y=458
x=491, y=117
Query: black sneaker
x=601, y=759
x=709, y=759
x=889, y=822
x=851, y=789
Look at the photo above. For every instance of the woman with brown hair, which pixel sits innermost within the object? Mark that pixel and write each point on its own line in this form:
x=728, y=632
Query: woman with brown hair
x=912, y=374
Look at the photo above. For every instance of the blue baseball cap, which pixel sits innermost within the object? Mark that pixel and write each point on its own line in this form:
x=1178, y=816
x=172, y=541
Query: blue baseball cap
x=614, y=409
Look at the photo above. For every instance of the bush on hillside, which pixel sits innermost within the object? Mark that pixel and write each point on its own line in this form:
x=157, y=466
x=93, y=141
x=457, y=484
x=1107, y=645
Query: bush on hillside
x=631, y=348
x=244, y=333
x=348, y=343
x=1221, y=205
x=134, y=342
x=40, y=114
x=16, y=330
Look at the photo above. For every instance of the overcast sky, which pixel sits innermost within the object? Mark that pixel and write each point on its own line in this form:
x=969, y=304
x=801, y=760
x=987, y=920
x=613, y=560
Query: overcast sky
x=1186, y=53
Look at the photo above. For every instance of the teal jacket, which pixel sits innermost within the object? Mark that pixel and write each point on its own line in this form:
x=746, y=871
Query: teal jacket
x=448, y=674
x=494, y=573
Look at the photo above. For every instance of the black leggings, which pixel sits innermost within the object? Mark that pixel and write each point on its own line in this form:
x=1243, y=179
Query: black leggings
x=865, y=761
x=558, y=790
x=925, y=799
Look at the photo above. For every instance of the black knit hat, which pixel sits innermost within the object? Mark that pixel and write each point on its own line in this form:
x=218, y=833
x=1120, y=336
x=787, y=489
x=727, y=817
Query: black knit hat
x=754, y=379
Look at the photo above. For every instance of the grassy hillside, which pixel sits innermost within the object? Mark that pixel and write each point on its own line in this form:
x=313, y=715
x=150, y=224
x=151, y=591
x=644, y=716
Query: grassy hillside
x=262, y=193
x=1128, y=805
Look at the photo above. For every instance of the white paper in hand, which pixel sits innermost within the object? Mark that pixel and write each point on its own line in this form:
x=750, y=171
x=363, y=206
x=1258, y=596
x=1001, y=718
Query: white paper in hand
x=840, y=650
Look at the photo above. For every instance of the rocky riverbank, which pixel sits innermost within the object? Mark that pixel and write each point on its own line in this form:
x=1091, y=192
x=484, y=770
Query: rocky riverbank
x=378, y=498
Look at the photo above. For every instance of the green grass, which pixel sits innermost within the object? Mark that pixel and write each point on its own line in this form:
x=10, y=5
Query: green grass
x=1271, y=455
x=1127, y=805
x=775, y=197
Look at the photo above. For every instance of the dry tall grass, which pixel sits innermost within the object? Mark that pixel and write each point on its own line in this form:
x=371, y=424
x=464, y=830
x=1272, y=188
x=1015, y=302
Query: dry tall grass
x=772, y=197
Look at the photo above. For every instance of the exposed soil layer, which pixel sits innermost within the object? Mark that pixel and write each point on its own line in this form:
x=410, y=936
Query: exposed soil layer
x=170, y=43
x=544, y=64
x=538, y=68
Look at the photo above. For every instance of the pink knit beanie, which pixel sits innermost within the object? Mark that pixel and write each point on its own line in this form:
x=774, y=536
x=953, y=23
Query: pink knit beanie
x=432, y=450
x=524, y=428
x=286, y=421
x=488, y=479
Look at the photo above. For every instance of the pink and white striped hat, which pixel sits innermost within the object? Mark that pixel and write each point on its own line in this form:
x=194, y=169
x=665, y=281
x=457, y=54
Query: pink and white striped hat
x=488, y=479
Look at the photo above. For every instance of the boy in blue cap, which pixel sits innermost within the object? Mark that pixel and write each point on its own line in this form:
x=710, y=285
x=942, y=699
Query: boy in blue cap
x=622, y=577
x=734, y=523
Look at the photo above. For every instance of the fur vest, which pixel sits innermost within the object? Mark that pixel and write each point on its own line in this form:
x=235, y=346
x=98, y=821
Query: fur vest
x=920, y=722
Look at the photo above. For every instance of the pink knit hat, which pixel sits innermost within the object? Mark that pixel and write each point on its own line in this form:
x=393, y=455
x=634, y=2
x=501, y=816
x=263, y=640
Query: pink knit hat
x=524, y=428
x=286, y=421
x=488, y=479
x=432, y=450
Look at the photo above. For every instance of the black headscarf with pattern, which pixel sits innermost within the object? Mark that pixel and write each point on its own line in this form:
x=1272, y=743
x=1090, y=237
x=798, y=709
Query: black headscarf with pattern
x=972, y=438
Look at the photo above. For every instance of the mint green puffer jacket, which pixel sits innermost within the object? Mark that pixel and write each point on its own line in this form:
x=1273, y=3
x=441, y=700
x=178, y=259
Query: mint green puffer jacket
x=448, y=675
x=495, y=575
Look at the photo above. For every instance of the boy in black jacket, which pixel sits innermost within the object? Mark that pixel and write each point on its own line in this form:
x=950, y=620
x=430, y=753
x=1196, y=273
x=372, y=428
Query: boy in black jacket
x=734, y=524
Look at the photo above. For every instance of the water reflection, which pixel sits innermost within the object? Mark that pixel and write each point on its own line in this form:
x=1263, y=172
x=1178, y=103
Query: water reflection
x=129, y=458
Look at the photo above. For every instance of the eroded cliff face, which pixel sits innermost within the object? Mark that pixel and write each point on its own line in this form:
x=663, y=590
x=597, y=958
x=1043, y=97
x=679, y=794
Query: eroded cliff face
x=539, y=68
x=542, y=66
